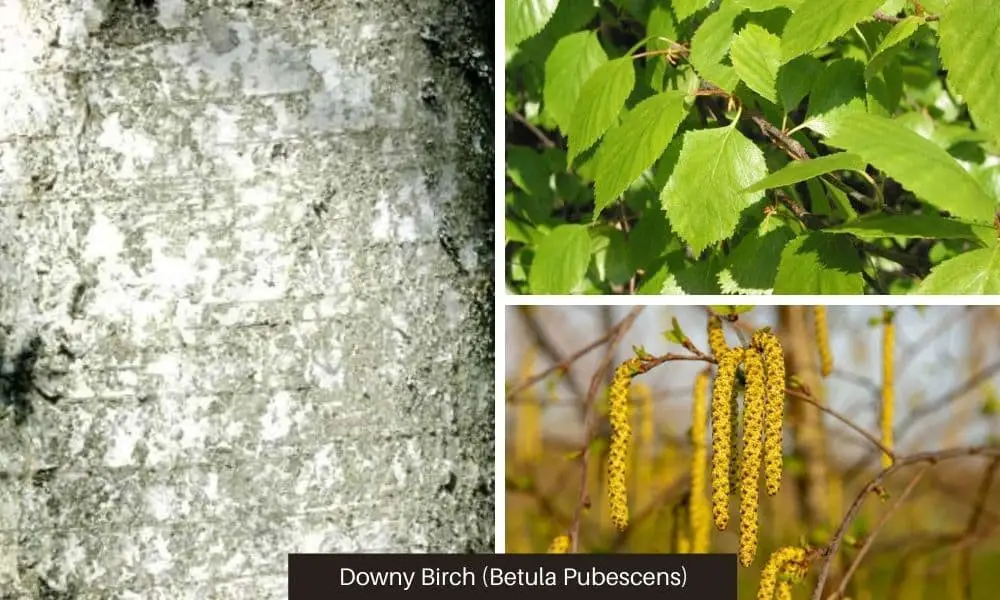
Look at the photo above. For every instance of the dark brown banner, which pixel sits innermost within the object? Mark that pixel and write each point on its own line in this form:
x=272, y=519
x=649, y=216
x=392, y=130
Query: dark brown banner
x=447, y=576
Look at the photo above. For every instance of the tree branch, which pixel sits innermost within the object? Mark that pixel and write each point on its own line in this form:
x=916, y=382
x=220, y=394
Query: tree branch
x=830, y=551
x=875, y=531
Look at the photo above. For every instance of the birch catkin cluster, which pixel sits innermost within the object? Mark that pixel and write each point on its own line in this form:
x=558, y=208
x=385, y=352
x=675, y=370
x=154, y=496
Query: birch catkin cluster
x=762, y=422
x=823, y=340
x=785, y=567
x=888, y=380
x=701, y=527
x=559, y=545
x=621, y=441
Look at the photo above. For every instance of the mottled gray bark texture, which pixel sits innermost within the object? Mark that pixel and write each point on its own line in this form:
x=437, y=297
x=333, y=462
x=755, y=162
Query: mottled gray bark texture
x=245, y=290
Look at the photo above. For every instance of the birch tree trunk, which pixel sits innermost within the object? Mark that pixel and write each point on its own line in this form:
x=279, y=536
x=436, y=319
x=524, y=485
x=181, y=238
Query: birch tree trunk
x=245, y=290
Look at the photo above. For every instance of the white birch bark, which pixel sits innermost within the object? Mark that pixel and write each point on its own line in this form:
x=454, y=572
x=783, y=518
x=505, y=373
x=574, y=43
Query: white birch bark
x=249, y=249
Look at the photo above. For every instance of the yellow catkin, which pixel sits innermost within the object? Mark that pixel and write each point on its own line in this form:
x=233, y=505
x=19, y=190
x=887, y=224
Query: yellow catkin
x=621, y=440
x=721, y=428
x=642, y=461
x=774, y=409
x=734, y=441
x=528, y=432
x=776, y=565
x=795, y=572
x=717, y=343
x=716, y=337
x=823, y=340
x=560, y=545
x=750, y=459
x=888, y=344
x=528, y=441
x=701, y=520
x=784, y=591
x=680, y=525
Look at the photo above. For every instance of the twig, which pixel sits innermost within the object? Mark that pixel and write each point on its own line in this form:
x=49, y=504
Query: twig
x=973, y=525
x=538, y=133
x=779, y=137
x=546, y=345
x=887, y=18
x=595, y=384
x=830, y=551
x=868, y=436
x=911, y=263
x=565, y=363
x=875, y=531
x=919, y=413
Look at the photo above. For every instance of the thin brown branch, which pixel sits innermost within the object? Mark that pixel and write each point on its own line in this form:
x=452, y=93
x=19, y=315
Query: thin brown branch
x=913, y=264
x=538, y=133
x=545, y=503
x=973, y=525
x=830, y=551
x=779, y=137
x=863, y=551
x=836, y=415
x=917, y=414
x=565, y=364
x=546, y=344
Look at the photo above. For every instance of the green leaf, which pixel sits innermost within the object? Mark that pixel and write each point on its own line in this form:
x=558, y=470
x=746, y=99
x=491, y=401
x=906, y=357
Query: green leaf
x=700, y=278
x=675, y=334
x=634, y=146
x=517, y=269
x=710, y=45
x=899, y=34
x=515, y=231
x=528, y=171
x=885, y=90
x=766, y=5
x=796, y=78
x=599, y=103
x=970, y=51
x=753, y=264
x=817, y=22
x=525, y=18
x=530, y=208
x=570, y=17
x=840, y=85
x=975, y=272
x=756, y=56
x=571, y=62
x=647, y=241
x=914, y=161
x=662, y=25
x=703, y=198
x=819, y=263
x=801, y=170
x=685, y=8
x=729, y=309
x=840, y=199
x=561, y=260
x=913, y=226
x=655, y=278
x=610, y=255
x=892, y=7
